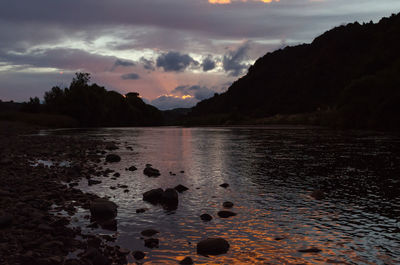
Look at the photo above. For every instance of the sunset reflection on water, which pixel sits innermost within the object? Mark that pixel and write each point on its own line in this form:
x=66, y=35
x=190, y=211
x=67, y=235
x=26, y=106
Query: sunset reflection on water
x=271, y=173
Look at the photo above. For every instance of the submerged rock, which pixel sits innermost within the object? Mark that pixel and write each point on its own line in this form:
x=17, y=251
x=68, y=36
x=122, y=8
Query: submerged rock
x=224, y=185
x=318, y=194
x=227, y=204
x=112, y=158
x=111, y=146
x=212, y=246
x=149, y=232
x=206, y=217
x=310, y=250
x=132, y=168
x=93, y=182
x=180, y=188
x=151, y=242
x=151, y=172
x=141, y=210
x=138, y=255
x=226, y=214
x=186, y=261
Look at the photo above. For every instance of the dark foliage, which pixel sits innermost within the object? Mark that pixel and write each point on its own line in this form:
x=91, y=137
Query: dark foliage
x=93, y=105
x=351, y=72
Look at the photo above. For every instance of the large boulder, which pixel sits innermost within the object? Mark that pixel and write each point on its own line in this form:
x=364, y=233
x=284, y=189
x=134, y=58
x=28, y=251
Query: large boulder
x=112, y=158
x=103, y=209
x=170, y=197
x=212, y=246
x=153, y=196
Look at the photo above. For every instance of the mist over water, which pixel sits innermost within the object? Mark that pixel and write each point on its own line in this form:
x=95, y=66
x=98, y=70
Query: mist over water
x=271, y=172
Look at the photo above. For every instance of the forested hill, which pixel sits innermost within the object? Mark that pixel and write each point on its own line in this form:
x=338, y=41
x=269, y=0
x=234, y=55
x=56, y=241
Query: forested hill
x=349, y=76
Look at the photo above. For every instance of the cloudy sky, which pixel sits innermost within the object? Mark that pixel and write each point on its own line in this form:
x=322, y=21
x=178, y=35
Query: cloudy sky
x=174, y=53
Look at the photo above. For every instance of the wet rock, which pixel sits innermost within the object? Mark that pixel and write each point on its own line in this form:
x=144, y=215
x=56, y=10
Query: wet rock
x=5, y=161
x=112, y=158
x=170, y=198
x=151, y=172
x=149, y=232
x=180, y=188
x=93, y=182
x=45, y=228
x=93, y=225
x=132, y=168
x=138, y=255
x=212, y=246
x=103, y=209
x=6, y=220
x=186, y=261
x=111, y=146
x=318, y=194
x=279, y=238
x=140, y=210
x=96, y=257
x=116, y=174
x=206, y=217
x=182, y=171
x=153, y=196
x=224, y=185
x=226, y=214
x=309, y=250
x=151, y=242
x=110, y=224
x=227, y=204
x=73, y=184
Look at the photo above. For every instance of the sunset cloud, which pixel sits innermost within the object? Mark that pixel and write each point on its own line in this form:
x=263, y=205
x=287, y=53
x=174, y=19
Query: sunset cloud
x=179, y=43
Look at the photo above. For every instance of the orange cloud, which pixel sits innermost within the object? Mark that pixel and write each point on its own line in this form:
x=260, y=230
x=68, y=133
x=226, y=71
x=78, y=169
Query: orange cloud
x=224, y=2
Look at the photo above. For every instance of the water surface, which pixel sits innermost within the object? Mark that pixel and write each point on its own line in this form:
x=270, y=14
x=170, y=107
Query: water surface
x=272, y=172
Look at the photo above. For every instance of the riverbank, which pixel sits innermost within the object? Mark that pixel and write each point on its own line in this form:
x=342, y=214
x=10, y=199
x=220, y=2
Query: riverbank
x=37, y=179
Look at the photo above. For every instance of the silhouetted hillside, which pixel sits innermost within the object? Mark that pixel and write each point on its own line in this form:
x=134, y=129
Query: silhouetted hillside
x=93, y=105
x=348, y=76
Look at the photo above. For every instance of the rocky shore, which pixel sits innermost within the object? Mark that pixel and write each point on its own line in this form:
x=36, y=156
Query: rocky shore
x=37, y=197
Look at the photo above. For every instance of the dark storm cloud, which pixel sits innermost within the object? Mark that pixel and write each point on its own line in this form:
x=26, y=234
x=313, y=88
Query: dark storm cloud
x=61, y=58
x=175, y=61
x=147, y=64
x=170, y=102
x=208, y=64
x=233, y=60
x=130, y=76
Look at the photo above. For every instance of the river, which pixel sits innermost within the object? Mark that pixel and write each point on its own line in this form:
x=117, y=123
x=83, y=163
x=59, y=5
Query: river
x=271, y=172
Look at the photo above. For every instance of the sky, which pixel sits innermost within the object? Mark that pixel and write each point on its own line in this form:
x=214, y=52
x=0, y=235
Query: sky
x=174, y=53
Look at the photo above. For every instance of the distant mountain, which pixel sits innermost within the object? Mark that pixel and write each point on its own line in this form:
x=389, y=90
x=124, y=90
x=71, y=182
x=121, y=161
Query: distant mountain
x=174, y=116
x=347, y=77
